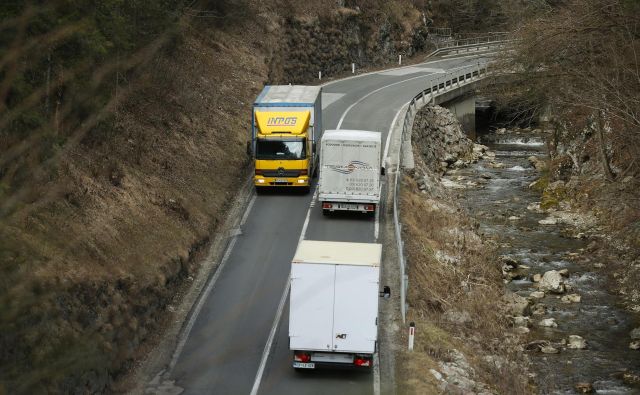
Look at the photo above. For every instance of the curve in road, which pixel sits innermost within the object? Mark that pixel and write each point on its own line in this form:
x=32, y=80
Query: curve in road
x=224, y=350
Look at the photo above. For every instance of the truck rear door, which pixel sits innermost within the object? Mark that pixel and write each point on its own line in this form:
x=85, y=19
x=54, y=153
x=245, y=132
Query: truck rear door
x=356, y=308
x=311, y=307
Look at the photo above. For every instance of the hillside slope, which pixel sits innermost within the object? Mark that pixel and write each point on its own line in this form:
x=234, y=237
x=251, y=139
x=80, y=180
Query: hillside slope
x=117, y=167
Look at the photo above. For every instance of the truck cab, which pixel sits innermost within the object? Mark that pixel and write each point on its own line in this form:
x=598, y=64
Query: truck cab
x=286, y=120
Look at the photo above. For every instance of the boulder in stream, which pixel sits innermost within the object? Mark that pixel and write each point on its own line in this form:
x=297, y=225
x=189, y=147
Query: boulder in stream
x=548, y=221
x=549, y=350
x=576, y=342
x=552, y=281
x=548, y=323
x=635, y=345
x=537, y=294
x=635, y=334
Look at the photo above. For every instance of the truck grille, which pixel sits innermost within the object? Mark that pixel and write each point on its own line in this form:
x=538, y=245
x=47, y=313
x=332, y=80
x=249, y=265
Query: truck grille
x=281, y=173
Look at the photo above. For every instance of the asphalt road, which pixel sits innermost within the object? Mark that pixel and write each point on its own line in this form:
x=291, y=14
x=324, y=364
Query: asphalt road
x=224, y=348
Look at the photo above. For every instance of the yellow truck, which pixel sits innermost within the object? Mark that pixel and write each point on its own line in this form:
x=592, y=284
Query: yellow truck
x=286, y=121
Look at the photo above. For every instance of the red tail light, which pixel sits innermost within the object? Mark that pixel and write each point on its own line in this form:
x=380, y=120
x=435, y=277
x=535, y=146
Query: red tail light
x=359, y=361
x=369, y=207
x=302, y=357
x=327, y=205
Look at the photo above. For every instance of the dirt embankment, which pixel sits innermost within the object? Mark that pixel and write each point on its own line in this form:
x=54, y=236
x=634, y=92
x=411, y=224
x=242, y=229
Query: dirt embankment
x=95, y=259
x=456, y=297
x=589, y=175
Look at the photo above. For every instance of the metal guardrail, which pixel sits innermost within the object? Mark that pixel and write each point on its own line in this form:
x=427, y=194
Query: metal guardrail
x=437, y=86
x=500, y=37
x=471, y=43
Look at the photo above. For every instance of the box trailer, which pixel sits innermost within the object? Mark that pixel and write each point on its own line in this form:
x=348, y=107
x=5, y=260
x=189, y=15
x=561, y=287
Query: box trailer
x=350, y=169
x=333, y=316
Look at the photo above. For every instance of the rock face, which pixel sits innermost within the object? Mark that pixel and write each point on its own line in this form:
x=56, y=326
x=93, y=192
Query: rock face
x=440, y=140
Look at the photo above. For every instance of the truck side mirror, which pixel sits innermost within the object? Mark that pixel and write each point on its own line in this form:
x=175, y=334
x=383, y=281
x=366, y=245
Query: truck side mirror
x=249, y=150
x=386, y=292
x=382, y=171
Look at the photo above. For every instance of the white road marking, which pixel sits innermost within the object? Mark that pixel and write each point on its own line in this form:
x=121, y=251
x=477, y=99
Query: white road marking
x=344, y=114
x=390, y=132
x=410, y=70
x=205, y=294
x=203, y=297
x=272, y=335
x=306, y=220
x=283, y=299
x=248, y=210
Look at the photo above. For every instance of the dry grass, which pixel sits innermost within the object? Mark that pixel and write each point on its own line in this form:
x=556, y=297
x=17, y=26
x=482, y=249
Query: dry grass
x=452, y=270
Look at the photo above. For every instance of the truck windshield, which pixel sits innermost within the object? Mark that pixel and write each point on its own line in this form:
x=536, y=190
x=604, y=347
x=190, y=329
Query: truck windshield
x=280, y=149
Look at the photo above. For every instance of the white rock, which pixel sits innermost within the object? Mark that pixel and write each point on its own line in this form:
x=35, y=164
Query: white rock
x=536, y=278
x=537, y=294
x=513, y=218
x=549, y=350
x=548, y=221
x=436, y=374
x=635, y=345
x=548, y=323
x=635, y=334
x=564, y=272
x=522, y=330
x=576, y=342
x=551, y=281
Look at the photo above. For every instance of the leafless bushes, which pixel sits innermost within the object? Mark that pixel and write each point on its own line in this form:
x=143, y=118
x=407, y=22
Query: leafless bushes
x=581, y=61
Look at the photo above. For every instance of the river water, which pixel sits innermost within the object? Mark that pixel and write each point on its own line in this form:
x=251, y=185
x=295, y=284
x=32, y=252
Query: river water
x=499, y=202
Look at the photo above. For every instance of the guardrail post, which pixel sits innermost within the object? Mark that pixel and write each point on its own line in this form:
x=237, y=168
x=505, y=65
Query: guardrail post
x=319, y=75
x=353, y=68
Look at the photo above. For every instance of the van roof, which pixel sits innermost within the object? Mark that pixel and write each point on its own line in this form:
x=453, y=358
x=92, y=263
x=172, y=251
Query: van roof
x=351, y=135
x=338, y=253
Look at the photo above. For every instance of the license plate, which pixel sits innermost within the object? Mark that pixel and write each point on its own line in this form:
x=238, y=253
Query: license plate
x=281, y=180
x=304, y=365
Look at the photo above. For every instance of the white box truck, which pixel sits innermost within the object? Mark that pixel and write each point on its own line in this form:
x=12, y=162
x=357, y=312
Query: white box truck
x=333, y=316
x=350, y=169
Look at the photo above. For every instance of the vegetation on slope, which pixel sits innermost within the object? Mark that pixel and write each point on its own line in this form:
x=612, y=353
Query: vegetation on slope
x=122, y=131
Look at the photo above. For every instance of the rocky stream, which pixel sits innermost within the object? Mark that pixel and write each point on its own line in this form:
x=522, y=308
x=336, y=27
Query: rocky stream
x=576, y=336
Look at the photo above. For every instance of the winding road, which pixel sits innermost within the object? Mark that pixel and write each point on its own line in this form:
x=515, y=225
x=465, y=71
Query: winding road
x=238, y=343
